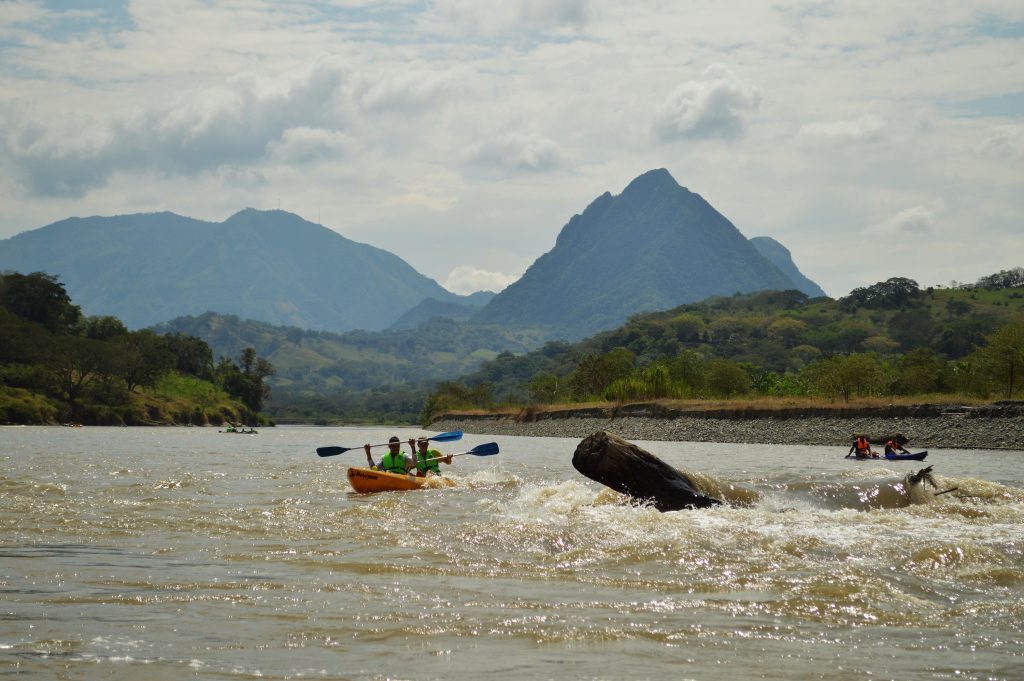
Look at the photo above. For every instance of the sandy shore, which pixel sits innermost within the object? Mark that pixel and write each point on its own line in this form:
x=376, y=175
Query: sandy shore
x=954, y=430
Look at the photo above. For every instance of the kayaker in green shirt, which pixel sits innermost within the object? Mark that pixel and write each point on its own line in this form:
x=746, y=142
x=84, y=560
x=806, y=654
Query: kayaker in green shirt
x=427, y=459
x=395, y=461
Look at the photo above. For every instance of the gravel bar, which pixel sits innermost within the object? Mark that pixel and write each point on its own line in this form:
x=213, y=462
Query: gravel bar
x=951, y=431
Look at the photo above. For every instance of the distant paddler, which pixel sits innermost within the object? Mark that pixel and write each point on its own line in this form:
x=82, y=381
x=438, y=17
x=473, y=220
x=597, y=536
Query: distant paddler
x=861, y=448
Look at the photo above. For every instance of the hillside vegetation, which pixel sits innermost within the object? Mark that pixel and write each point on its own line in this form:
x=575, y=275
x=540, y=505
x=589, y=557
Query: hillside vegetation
x=58, y=366
x=890, y=339
x=323, y=377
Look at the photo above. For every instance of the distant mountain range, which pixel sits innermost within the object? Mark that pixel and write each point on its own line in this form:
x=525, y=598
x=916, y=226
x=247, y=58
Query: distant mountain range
x=431, y=308
x=270, y=266
x=653, y=247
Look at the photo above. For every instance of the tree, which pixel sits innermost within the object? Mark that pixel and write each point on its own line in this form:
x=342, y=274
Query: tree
x=193, y=356
x=919, y=371
x=958, y=337
x=957, y=308
x=75, y=362
x=850, y=335
x=912, y=328
x=726, y=378
x=41, y=298
x=688, y=327
x=787, y=330
x=597, y=372
x=688, y=369
x=544, y=388
x=890, y=294
x=21, y=341
x=103, y=328
x=246, y=382
x=146, y=358
x=1003, y=357
x=845, y=375
x=1013, y=278
x=451, y=395
x=882, y=345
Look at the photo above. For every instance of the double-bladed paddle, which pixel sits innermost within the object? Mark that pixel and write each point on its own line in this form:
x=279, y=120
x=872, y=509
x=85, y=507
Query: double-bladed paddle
x=486, y=449
x=443, y=437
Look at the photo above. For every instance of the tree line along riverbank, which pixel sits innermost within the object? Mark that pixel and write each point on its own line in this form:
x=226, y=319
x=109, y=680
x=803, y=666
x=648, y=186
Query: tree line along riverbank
x=995, y=426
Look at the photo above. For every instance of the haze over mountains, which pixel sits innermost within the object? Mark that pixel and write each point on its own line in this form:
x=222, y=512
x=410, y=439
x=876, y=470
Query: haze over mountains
x=655, y=246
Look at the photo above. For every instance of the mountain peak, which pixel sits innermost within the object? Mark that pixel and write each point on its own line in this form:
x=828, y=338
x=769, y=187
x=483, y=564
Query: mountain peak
x=653, y=247
x=652, y=180
x=251, y=213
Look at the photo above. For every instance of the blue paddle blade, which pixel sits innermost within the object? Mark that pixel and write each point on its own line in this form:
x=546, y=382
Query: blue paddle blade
x=486, y=449
x=447, y=437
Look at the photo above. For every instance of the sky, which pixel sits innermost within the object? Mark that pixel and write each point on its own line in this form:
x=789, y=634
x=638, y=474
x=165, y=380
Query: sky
x=872, y=139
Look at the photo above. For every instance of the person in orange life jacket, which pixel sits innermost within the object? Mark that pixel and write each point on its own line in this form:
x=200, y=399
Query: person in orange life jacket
x=861, y=447
x=427, y=459
x=895, y=446
x=395, y=461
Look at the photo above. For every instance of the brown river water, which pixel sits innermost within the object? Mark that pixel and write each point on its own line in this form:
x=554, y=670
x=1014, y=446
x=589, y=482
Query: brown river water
x=171, y=553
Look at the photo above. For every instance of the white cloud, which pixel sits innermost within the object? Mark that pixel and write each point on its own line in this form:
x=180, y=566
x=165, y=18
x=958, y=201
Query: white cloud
x=454, y=132
x=518, y=151
x=467, y=279
x=407, y=90
x=717, y=105
x=909, y=222
x=1004, y=142
x=20, y=12
x=508, y=15
x=195, y=131
x=866, y=128
x=303, y=145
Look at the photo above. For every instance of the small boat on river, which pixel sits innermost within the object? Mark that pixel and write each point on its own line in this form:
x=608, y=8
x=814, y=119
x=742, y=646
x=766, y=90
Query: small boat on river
x=370, y=480
x=891, y=456
x=918, y=456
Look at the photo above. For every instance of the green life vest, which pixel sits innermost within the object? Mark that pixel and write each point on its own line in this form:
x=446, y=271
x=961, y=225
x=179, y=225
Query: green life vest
x=423, y=465
x=393, y=463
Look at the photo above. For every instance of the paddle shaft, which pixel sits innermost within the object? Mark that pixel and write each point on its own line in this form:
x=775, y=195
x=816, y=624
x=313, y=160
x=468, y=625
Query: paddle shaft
x=486, y=449
x=334, y=450
x=443, y=437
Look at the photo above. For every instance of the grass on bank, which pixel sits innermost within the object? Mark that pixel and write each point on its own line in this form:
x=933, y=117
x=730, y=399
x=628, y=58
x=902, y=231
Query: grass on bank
x=737, y=404
x=18, y=405
x=175, y=399
x=182, y=399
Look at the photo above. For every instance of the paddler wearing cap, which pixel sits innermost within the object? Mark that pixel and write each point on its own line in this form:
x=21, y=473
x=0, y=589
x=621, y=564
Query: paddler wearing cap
x=427, y=459
x=395, y=461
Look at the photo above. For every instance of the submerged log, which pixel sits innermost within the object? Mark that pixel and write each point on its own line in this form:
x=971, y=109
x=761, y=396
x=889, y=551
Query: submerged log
x=626, y=468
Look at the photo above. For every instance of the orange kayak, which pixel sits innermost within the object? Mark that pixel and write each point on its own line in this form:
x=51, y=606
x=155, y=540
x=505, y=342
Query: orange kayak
x=369, y=480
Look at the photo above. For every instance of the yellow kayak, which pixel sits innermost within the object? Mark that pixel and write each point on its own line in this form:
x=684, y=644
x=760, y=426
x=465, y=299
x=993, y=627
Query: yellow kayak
x=369, y=480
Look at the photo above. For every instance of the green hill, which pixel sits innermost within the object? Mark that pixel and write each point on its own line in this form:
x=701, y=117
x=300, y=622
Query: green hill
x=888, y=339
x=358, y=375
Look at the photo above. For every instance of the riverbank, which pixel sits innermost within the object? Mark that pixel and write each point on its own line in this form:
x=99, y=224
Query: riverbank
x=999, y=426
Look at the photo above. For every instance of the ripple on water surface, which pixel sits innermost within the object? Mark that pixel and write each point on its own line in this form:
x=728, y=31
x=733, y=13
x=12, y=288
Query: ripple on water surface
x=198, y=556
